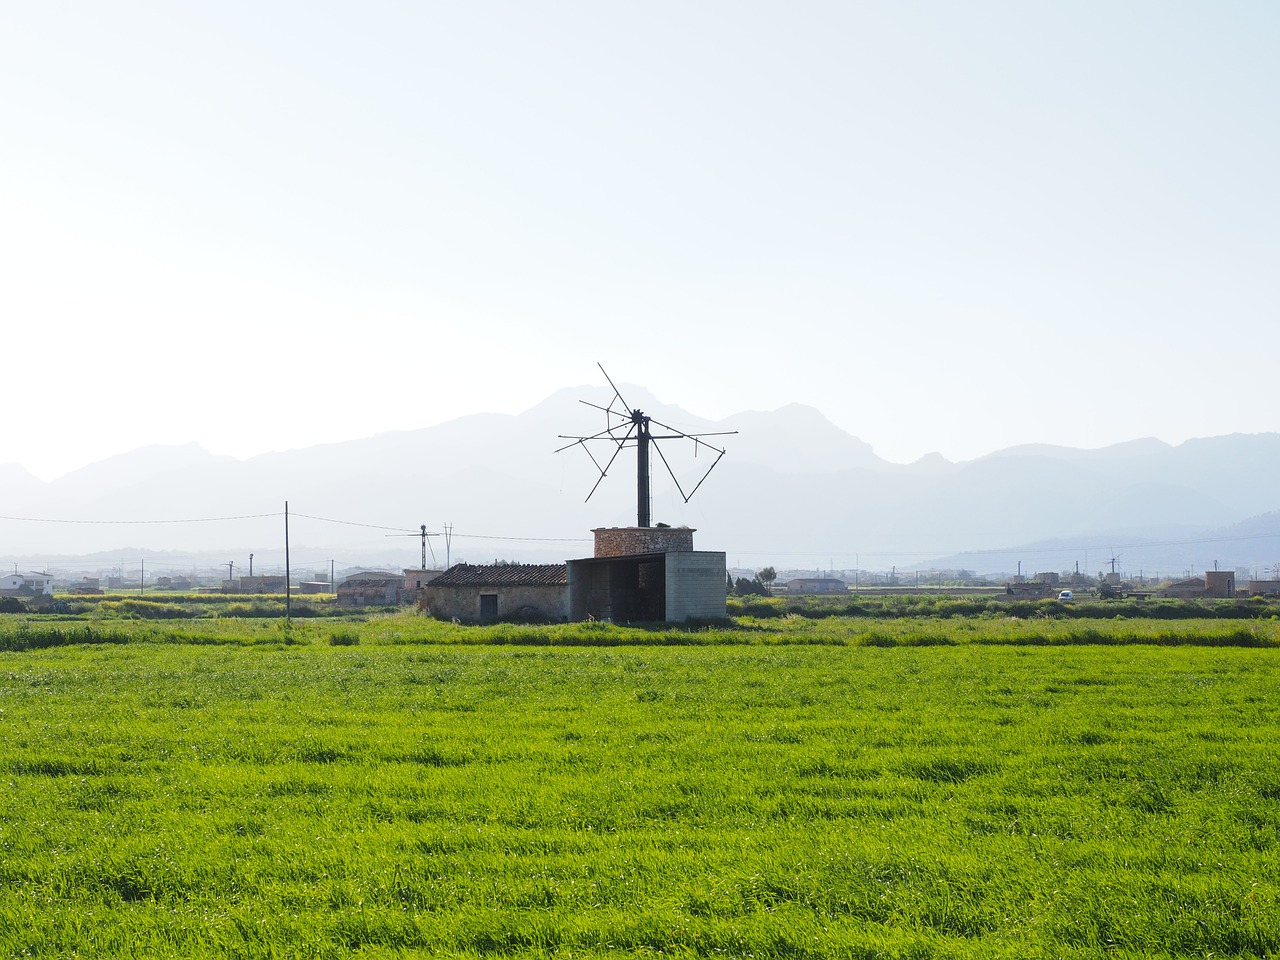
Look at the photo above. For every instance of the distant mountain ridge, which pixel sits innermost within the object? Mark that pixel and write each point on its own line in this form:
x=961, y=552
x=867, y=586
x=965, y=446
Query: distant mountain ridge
x=793, y=490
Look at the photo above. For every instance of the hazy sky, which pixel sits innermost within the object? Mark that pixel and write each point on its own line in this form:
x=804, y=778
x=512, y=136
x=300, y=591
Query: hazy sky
x=949, y=226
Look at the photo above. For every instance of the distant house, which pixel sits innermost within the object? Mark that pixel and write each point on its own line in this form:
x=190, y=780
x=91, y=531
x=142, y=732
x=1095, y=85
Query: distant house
x=1031, y=589
x=1184, y=589
x=816, y=585
x=485, y=593
x=1218, y=584
x=374, y=588
x=26, y=585
x=1264, y=588
x=270, y=584
x=415, y=579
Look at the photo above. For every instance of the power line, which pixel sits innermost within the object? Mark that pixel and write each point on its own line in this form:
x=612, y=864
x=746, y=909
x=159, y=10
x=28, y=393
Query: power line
x=247, y=516
x=305, y=516
x=480, y=536
x=353, y=523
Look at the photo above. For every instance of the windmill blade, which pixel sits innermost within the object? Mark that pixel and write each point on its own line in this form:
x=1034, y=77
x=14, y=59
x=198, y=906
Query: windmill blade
x=609, y=432
x=695, y=437
x=604, y=471
x=671, y=473
x=610, y=413
x=704, y=476
x=616, y=392
x=619, y=445
x=583, y=440
x=676, y=480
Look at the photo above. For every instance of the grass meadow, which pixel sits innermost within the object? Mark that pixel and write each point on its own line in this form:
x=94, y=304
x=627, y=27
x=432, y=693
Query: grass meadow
x=377, y=790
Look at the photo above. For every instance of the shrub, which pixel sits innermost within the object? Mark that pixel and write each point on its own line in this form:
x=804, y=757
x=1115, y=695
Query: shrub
x=146, y=610
x=344, y=637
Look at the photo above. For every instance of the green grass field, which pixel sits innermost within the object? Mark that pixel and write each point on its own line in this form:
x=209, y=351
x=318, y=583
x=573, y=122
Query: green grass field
x=322, y=795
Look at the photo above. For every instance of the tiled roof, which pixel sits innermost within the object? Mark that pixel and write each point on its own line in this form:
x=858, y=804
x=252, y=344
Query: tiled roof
x=503, y=575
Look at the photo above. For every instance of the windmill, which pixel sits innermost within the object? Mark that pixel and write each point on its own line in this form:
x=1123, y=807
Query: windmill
x=626, y=426
x=1114, y=559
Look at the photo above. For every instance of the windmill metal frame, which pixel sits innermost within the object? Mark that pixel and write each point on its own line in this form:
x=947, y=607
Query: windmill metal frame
x=627, y=426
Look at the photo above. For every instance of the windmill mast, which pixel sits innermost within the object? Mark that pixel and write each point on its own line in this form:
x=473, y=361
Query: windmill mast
x=642, y=468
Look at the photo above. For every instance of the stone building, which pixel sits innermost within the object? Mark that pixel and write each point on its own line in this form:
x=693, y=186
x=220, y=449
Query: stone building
x=484, y=593
x=1220, y=584
x=373, y=588
x=416, y=579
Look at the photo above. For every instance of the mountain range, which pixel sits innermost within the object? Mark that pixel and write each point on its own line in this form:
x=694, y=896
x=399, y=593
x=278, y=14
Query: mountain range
x=793, y=491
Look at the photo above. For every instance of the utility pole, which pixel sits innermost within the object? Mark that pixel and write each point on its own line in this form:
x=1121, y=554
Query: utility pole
x=286, y=563
x=230, y=566
x=251, y=564
x=424, y=535
x=448, y=541
x=142, y=578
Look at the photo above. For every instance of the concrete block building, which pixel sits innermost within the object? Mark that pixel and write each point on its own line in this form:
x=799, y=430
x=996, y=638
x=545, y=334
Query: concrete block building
x=647, y=574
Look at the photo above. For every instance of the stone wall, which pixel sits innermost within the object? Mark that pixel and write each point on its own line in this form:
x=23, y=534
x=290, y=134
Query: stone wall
x=629, y=541
x=370, y=593
x=463, y=602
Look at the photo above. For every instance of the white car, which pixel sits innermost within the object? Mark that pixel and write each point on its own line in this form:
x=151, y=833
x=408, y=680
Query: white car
x=1065, y=596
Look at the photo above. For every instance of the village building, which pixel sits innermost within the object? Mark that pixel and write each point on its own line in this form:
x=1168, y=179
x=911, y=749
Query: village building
x=268, y=584
x=416, y=579
x=374, y=588
x=1031, y=589
x=26, y=585
x=816, y=585
x=484, y=593
x=1219, y=584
